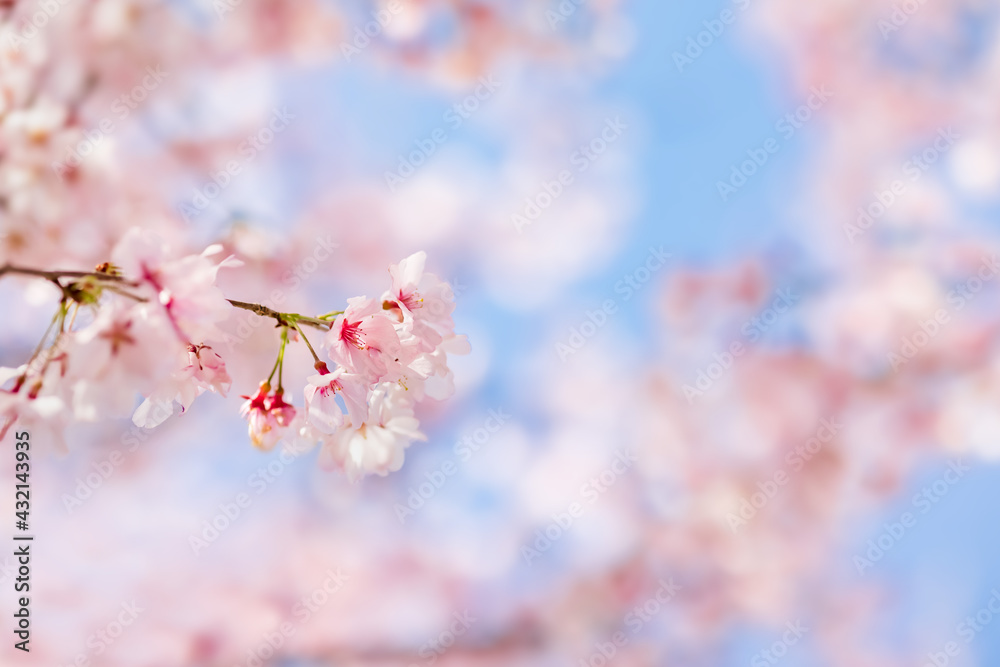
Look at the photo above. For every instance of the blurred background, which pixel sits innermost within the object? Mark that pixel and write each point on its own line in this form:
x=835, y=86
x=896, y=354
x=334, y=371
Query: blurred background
x=729, y=274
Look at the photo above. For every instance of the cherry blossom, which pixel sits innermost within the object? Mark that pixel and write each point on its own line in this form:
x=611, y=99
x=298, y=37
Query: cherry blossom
x=184, y=286
x=144, y=305
x=268, y=416
x=419, y=295
x=321, y=399
x=364, y=339
x=202, y=370
x=24, y=407
x=127, y=349
x=378, y=444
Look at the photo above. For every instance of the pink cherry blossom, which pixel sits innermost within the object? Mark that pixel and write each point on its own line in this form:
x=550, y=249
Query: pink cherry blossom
x=283, y=412
x=203, y=370
x=420, y=300
x=322, y=408
x=364, y=340
x=127, y=349
x=25, y=407
x=184, y=286
x=268, y=416
x=378, y=445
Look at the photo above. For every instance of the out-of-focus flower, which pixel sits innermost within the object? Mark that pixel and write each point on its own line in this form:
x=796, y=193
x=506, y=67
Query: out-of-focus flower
x=24, y=407
x=127, y=349
x=185, y=286
x=203, y=370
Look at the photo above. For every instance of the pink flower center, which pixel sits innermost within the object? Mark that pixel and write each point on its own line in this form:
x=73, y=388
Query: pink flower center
x=331, y=388
x=412, y=301
x=118, y=335
x=351, y=334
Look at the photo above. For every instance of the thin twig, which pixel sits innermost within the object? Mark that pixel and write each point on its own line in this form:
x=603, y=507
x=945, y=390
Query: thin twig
x=308, y=344
x=283, y=319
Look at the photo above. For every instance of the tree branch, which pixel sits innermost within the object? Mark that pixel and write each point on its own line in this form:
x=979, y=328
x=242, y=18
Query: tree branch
x=283, y=319
x=56, y=275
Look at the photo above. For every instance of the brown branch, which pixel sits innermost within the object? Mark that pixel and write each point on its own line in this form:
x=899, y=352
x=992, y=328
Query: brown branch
x=283, y=319
x=56, y=275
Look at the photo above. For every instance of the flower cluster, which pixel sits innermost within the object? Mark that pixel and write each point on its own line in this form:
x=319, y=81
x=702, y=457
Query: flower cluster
x=145, y=323
x=388, y=353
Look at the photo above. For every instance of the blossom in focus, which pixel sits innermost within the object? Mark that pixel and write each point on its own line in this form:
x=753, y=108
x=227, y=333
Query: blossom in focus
x=268, y=416
x=388, y=355
x=362, y=338
x=378, y=444
x=321, y=392
x=421, y=297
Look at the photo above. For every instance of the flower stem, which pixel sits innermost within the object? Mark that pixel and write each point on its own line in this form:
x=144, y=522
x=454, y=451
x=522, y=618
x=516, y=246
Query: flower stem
x=277, y=361
x=76, y=309
x=308, y=344
x=41, y=343
x=281, y=359
x=63, y=311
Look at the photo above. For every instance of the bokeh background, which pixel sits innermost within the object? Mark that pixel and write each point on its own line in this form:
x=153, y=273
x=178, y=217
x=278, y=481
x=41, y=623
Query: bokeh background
x=602, y=360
